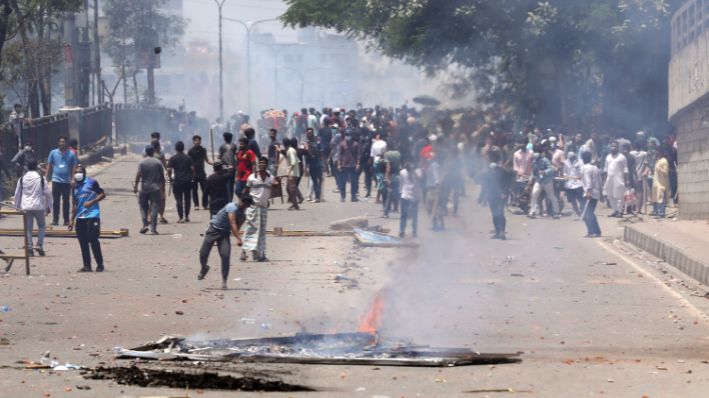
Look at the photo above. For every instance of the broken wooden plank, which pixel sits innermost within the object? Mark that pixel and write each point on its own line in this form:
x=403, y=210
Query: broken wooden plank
x=62, y=233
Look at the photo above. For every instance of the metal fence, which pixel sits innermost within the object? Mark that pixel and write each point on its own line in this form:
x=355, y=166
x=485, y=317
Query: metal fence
x=94, y=124
x=44, y=133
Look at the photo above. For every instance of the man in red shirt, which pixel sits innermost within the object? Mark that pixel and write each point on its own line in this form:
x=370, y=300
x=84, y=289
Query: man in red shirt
x=245, y=164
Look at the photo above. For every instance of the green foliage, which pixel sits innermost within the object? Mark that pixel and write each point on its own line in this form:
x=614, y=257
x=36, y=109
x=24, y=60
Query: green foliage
x=557, y=60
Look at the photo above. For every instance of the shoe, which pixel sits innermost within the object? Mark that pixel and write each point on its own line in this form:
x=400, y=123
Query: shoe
x=502, y=236
x=144, y=230
x=40, y=251
x=154, y=232
x=496, y=236
x=614, y=214
x=244, y=256
x=99, y=268
x=224, y=285
x=30, y=253
x=316, y=201
x=54, y=223
x=342, y=200
x=187, y=220
x=556, y=216
x=263, y=259
x=301, y=200
x=196, y=208
x=66, y=223
x=84, y=269
x=163, y=220
x=354, y=200
x=402, y=235
x=180, y=221
x=202, y=273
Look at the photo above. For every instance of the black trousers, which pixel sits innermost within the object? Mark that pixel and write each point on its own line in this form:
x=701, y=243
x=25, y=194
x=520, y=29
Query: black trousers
x=349, y=174
x=60, y=190
x=88, y=231
x=182, y=192
x=497, y=208
x=221, y=239
x=197, y=184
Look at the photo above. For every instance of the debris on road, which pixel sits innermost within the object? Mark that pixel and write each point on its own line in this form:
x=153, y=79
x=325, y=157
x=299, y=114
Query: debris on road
x=375, y=239
x=142, y=377
x=305, y=348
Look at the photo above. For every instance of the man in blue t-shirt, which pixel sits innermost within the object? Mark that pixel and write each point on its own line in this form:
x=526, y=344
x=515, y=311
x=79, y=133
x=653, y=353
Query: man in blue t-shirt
x=60, y=165
x=226, y=222
x=86, y=217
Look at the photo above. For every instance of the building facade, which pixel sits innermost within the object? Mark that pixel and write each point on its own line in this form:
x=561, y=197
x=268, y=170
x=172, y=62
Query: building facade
x=689, y=105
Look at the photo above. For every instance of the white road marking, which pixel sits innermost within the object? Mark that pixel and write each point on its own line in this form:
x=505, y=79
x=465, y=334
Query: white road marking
x=686, y=305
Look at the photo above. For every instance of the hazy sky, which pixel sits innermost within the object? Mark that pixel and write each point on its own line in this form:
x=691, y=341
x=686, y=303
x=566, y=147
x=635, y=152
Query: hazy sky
x=203, y=19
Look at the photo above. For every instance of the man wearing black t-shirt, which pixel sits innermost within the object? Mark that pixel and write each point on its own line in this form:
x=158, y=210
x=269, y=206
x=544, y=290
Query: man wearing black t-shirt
x=182, y=167
x=199, y=156
x=217, y=191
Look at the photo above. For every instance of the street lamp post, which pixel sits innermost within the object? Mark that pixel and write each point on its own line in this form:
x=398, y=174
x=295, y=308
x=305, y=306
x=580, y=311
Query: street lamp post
x=248, y=26
x=220, y=4
x=301, y=76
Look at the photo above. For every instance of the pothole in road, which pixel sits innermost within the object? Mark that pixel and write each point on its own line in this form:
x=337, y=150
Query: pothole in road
x=135, y=376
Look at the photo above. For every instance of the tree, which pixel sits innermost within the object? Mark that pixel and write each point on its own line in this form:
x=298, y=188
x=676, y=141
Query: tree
x=574, y=62
x=30, y=29
x=136, y=29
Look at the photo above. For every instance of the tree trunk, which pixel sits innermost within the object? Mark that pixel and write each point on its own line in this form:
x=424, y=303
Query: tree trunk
x=5, y=13
x=135, y=87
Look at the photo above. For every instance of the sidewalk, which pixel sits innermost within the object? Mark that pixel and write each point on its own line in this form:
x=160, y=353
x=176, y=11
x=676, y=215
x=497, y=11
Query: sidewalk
x=682, y=244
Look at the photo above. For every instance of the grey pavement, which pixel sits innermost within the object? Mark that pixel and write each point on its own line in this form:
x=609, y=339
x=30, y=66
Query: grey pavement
x=592, y=317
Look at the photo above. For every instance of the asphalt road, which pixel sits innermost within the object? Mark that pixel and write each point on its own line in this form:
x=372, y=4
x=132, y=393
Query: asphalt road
x=592, y=317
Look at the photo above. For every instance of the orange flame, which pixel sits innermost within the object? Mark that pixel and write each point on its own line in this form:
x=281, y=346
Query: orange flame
x=373, y=318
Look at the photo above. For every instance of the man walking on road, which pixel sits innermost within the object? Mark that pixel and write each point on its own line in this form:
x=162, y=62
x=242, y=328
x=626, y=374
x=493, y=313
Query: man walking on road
x=199, y=156
x=183, y=169
x=33, y=197
x=258, y=188
x=226, y=222
x=591, y=185
x=543, y=180
x=60, y=165
x=152, y=177
x=496, y=184
x=616, y=168
x=347, y=165
x=315, y=163
x=293, y=162
x=411, y=192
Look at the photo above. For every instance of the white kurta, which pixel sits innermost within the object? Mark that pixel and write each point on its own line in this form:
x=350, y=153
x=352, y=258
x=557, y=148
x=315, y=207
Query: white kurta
x=616, y=169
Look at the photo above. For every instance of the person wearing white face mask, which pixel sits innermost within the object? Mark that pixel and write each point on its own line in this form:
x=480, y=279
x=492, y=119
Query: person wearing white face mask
x=86, y=217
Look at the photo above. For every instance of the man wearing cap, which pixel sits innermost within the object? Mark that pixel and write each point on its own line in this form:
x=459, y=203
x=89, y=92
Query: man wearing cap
x=151, y=176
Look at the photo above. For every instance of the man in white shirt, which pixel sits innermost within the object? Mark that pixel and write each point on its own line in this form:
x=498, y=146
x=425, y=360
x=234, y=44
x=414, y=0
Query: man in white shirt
x=411, y=193
x=591, y=184
x=616, y=169
x=571, y=170
x=379, y=146
x=259, y=188
x=640, y=174
x=32, y=195
x=522, y=162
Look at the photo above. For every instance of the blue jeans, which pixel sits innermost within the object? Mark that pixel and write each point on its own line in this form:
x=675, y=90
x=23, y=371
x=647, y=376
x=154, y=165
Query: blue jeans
x=240, y=185
x=660, y=207
x=33, y=215
x=590, y=216
x=409, y=210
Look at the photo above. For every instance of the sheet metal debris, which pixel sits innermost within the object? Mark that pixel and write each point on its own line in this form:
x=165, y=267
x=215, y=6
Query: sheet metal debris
x=305, y=348
x=375, y=239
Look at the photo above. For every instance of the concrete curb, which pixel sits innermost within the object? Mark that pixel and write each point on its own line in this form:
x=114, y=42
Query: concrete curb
x=669, y=253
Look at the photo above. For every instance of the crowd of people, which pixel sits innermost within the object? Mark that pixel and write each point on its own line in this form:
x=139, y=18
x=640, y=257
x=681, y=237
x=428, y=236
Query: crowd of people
x=403, y=159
